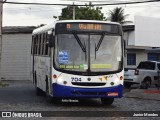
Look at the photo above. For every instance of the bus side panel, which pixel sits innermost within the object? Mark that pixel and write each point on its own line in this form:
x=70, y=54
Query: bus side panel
x=42, y=69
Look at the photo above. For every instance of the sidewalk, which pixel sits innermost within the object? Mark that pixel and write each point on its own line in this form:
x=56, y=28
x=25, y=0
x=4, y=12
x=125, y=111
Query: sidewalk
x=149, y=94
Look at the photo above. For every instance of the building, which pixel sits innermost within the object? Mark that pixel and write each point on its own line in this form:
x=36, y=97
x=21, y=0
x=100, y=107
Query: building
x=136, y=54
x=16, y=51
x=1, y=9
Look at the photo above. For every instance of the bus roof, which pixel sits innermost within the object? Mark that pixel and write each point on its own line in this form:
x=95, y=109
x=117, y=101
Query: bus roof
x=52, y=25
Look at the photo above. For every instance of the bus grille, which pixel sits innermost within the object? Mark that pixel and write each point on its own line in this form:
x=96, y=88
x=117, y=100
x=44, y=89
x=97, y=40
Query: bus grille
x=88, y=84
x=88, y=93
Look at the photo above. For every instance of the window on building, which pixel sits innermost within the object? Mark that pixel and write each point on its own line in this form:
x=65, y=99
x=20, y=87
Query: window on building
x=153, y=56
x=131, y=59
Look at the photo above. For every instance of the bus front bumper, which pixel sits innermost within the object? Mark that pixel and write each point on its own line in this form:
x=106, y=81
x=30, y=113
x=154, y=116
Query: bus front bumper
x=75, y=92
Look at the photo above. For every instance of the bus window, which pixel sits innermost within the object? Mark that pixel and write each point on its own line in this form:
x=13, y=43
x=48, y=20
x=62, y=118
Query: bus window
x=46, y=45
x=35, y=44
x=32, y=45
x=39, y=44
x=43, y=43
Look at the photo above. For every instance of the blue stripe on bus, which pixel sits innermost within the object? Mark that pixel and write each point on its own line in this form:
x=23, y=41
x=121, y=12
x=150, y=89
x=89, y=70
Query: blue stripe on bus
x=75, y=92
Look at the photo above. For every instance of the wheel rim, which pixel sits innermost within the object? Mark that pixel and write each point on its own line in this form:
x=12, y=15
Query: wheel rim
x=146, y=84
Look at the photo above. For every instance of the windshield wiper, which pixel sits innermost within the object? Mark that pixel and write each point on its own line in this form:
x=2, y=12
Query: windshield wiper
x=83, y=47
x=99, y=43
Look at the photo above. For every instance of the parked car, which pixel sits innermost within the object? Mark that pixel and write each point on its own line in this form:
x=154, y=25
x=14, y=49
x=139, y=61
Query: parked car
x=145, y=74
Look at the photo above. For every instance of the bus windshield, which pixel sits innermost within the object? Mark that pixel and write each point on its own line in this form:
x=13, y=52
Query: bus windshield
x=88, y=52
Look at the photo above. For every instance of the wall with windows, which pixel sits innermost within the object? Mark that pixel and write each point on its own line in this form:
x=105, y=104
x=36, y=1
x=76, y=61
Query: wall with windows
x=16, y=56
x=143, y=51
x=153, y=56
x=135, y=54
x=134, y=57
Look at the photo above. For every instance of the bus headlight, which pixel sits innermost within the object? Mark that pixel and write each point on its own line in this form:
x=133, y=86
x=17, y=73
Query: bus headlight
x=60, y=80
x=116, y=80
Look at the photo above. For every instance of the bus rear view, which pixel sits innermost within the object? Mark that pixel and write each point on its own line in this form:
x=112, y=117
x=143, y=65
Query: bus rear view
x=87, y=60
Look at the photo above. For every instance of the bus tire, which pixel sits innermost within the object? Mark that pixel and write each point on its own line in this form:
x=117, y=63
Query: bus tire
x=56, y=100
x=107, y=101
x=127, y=85
x=38, y=90
x=49, y=98
x=34, y=78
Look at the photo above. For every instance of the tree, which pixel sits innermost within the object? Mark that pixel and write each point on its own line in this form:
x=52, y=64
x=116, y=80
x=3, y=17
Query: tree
x=82, y=13
x=117, y=15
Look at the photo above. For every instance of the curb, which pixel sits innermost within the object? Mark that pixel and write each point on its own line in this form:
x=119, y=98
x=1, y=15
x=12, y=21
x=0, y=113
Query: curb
x=143, y=94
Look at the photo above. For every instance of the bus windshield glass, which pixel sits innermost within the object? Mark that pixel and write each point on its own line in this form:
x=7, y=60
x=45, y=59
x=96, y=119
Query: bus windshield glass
x=83, y=52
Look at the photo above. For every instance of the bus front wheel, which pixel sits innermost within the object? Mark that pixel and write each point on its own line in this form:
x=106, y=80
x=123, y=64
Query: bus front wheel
x=107, y=101
x=38, y=90
x=48, y=97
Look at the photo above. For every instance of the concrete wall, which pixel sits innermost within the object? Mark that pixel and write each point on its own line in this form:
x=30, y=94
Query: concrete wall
x=1, y=8
x=141, y=55
x=16, y=63
x=130, y=37
x=147, y=31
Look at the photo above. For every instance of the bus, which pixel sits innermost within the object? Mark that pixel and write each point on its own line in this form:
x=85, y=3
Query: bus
x=78, y=59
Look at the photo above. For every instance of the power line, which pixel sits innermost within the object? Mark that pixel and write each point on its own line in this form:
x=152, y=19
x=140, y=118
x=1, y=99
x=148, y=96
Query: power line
x=118, y=3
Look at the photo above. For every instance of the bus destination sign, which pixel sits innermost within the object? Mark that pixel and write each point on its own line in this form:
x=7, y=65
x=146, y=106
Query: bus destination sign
x=86, y=27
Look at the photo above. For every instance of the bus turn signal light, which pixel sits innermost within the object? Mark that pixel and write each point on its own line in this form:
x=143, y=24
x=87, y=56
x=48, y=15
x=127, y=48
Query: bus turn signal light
x=121, y=77
x=54, y=76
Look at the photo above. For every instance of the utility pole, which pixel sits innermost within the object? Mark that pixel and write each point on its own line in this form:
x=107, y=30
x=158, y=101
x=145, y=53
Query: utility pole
x=73, y=11
x=1, y=11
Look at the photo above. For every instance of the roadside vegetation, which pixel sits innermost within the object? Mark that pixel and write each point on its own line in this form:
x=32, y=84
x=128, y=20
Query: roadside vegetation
x=93, y=13
x=3, y=84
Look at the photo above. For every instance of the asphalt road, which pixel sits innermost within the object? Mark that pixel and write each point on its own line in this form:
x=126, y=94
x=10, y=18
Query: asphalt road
x=21, y=96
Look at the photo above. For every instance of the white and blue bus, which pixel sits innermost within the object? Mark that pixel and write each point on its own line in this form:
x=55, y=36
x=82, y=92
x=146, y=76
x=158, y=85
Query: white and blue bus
x=79, y=59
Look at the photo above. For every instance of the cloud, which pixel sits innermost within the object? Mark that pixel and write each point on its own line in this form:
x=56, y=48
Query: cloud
x=14, y=14
x=20, y=15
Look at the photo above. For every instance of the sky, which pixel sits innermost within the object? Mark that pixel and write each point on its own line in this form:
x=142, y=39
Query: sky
x=34, y=15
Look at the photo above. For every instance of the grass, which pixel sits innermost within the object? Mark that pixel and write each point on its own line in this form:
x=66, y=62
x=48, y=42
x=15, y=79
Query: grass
x=2, y=84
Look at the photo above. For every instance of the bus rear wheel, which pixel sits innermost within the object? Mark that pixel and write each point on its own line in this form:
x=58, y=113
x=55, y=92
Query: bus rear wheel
x=107, y=101
x=48, y=97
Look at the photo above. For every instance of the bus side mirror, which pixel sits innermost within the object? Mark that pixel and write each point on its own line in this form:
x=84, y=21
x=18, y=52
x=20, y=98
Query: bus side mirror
x=51, y=39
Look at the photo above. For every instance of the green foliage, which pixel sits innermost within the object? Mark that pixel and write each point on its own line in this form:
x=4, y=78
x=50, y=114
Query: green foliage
x=117, y=15
x=2, y=84
x=82, y=13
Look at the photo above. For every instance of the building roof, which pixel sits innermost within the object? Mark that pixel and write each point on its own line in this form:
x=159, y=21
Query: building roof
x=153, y=50
x=128, y=27
x=17, y=29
